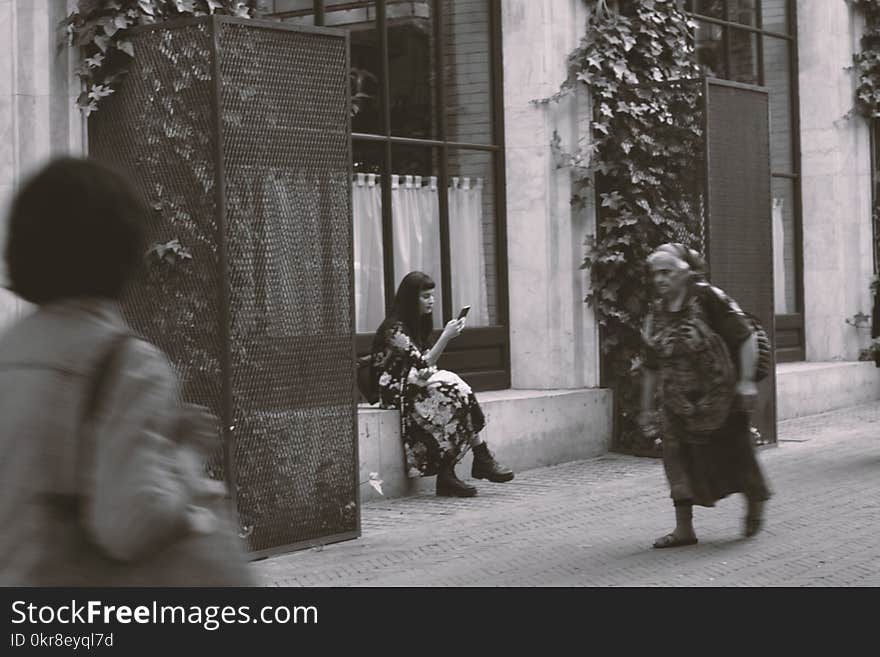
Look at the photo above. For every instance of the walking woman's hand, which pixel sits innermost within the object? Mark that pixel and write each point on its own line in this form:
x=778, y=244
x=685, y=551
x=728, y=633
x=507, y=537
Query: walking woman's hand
x=747, y=392
x=648, y=424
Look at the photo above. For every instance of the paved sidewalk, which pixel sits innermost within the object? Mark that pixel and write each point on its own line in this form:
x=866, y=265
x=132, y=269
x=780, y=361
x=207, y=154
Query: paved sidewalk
x=593, y=522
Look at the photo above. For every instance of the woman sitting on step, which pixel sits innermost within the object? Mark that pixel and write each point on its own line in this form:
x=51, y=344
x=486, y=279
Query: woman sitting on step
x=440, y=415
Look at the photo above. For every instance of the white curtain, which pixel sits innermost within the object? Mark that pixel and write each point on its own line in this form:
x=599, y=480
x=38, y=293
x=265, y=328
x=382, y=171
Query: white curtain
x=467, y=250
x=415, y=216
x=369, y=289
x=779, y=257
x=415, y=210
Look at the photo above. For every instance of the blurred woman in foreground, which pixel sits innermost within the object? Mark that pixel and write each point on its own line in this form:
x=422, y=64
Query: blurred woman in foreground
x=100, y=463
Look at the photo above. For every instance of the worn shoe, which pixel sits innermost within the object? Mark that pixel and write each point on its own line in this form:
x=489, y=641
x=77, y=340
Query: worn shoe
x=449, y=485
x=486, y=467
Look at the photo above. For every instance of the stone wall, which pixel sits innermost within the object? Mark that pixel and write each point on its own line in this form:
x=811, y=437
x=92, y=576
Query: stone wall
x=836, y=187
x=554, y=337
x=38, y=89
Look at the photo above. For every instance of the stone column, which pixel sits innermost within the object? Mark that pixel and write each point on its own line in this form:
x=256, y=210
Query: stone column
x=38, y=89
x=836, y=185
x=554, y=338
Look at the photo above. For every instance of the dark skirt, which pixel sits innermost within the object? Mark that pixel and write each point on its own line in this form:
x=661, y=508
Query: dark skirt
x=703, y=470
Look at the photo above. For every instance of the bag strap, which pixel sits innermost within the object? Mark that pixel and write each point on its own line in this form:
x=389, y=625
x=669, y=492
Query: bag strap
x=101, y=376
x=70, y=503
x=96, y=391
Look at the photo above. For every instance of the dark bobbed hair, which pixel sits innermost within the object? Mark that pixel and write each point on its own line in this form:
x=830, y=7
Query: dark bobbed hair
x=406, y=308
x=75, y=230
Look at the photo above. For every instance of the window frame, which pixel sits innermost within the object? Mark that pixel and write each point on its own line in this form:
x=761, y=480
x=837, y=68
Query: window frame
x=487, y=346
x=790, y=331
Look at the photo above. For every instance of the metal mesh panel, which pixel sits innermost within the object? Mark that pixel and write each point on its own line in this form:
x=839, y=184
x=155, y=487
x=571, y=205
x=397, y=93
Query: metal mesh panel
x=739, y=212
x=287, y=160
x=259, y=320
x=159, y=128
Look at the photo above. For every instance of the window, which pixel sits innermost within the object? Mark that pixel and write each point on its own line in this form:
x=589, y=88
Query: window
x=428, y=164
x=754, y=42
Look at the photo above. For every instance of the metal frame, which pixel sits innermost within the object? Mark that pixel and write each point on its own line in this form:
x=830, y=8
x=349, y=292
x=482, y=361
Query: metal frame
x=769, y=385
x=497, y=335
x=228, y=421
x=793, y=323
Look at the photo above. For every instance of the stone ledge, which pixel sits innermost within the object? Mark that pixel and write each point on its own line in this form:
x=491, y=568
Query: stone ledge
x=525, y=428
x=811, y=388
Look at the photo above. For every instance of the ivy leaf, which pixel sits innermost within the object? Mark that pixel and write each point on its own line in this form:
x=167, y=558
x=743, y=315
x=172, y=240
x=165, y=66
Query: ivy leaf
x=241, y=10
x=103, y=42
x=127, y=47
x=628, y=42
x=611, y=200
x=148, y=7
x=185, y=6
x=214, y=5
x=99, y=91
x=620, y=68
x=376, y=483
x=94, y=62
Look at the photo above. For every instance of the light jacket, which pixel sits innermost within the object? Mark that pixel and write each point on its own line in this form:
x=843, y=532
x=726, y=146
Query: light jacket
x=47, y=362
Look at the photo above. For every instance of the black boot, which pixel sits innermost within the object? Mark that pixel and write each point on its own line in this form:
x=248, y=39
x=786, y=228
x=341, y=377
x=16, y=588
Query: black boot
x=448, y=485
x=486, y=467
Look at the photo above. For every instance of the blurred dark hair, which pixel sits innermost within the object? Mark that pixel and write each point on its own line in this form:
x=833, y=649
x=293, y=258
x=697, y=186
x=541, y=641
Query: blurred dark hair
x=407, y=309
x=74, y=231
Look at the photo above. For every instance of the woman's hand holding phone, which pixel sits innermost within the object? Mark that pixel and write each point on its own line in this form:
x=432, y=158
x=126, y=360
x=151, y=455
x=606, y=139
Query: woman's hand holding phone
x=453, y=329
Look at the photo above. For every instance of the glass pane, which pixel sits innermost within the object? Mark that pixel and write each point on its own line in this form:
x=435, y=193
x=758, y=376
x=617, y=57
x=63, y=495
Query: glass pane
x=369, y=271
x=742, y=11
x=710, y=49
x=411, y=69
x=359, y=18
x=415, y=209
x=774, y=16
x=301, y=12
x=472, y=235
x=467, y=67
x=743, y=56
x=777, y=77
x=784, y=246
x=713, y=8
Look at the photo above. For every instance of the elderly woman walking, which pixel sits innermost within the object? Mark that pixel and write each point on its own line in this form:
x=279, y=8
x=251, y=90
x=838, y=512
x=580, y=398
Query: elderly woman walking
x=700, y=356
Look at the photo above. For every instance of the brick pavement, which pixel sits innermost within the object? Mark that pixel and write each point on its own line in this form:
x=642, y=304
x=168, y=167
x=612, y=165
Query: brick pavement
x=593, y=522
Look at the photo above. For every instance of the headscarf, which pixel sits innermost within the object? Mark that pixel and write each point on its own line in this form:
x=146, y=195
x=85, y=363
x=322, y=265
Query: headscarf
x=683, y=257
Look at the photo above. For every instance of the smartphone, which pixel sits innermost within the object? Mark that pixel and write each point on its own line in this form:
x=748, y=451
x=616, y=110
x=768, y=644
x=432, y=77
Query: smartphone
x=464, y=312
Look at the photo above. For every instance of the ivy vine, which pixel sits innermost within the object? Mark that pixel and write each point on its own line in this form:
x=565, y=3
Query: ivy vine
x=100, y=29
x=638, y=61
x=867, y=60
x=867, y=100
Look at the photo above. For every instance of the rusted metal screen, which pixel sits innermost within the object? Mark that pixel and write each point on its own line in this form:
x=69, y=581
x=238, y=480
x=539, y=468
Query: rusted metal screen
x=739, y=212
x=237, y=133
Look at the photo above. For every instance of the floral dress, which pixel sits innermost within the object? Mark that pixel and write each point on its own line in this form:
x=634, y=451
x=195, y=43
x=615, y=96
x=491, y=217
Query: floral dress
x=438, y=410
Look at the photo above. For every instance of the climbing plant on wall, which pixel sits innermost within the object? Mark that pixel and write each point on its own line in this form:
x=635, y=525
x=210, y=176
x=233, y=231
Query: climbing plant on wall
x=643, y=164
x=867, y=101
x=867, y=60
x=99, y=28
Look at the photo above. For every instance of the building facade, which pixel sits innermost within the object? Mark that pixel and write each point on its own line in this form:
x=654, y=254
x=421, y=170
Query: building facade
x=454, y=174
